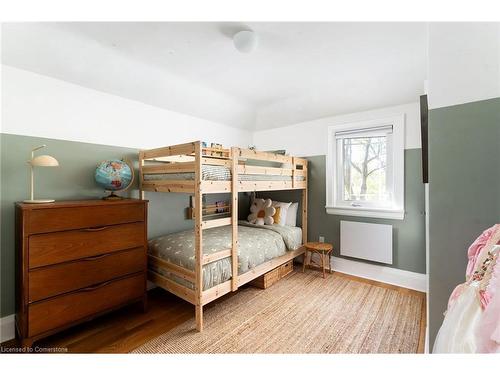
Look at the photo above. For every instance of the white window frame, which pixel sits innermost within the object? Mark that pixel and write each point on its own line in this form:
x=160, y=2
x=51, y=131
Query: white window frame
x=334, y=205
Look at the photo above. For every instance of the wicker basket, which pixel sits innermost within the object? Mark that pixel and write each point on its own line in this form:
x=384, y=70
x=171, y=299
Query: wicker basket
x=286, y=268
x=272, y=277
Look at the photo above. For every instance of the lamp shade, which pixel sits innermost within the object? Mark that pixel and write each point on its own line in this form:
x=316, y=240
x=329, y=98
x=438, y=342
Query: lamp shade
x=44, y=161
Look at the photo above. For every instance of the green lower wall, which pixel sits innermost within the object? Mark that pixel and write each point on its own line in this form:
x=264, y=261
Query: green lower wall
x=464, y=192
x=73, y=179
x=408, y=234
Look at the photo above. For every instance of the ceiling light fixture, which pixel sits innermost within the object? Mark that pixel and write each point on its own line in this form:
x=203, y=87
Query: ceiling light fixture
x=245, y=41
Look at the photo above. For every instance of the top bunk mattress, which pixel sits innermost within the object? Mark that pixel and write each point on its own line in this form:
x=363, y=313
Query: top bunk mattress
x=256, y=245
x=218, y=173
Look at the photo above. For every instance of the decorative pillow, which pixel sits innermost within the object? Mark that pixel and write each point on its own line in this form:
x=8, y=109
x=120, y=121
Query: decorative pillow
x=276, y=216
x=291, y=216
x=261, y=212
x=283, y=211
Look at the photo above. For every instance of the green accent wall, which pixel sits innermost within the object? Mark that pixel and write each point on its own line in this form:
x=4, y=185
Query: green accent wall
x=73, y=179
x=408, y=234
x=464, y=192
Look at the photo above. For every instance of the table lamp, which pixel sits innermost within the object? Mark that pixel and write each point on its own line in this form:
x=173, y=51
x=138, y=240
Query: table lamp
x=39, y=161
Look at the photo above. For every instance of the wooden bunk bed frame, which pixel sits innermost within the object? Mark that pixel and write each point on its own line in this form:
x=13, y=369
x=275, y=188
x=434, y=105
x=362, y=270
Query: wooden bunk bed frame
x=190, y=157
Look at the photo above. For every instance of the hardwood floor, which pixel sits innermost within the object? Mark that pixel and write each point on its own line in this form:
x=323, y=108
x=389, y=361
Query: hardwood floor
x=126, y=329
x=122, y=330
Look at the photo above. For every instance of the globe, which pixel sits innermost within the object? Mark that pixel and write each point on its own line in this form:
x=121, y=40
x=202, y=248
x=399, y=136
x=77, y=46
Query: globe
x=114, y=175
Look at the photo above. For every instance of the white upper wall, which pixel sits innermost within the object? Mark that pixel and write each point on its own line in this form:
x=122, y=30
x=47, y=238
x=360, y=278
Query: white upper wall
x=464, y=63
x=40, y=106
x=310, y=138
x=63, y=52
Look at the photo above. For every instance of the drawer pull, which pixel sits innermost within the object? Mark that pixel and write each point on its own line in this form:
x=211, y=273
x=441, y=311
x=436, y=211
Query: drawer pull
x=91, y=288
x=96, y=257
x=95, y=229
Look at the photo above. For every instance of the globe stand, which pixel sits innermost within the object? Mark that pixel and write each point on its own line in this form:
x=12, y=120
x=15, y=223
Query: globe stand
x=112, y=197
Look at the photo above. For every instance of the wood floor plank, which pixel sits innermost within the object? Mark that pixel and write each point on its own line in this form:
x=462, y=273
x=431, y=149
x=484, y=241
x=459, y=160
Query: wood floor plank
x=133, y=338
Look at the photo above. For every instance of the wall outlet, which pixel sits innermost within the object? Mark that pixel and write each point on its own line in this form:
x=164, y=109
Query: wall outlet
x=321, y=239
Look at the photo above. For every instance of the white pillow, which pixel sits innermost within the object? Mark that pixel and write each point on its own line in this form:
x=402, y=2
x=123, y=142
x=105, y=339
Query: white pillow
x=283, y=211
x=291, y=216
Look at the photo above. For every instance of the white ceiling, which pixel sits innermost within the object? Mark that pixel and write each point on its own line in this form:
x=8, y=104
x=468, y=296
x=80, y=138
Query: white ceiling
x=299, y=72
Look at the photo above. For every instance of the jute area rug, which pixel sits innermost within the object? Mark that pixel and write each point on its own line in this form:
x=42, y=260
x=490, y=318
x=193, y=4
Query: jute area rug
x=303, y=313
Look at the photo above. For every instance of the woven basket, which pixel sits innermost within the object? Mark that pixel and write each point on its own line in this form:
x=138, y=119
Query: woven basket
x=273, y=276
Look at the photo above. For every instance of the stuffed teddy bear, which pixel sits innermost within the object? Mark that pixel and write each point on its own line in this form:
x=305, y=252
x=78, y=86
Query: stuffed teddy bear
x=262, y=212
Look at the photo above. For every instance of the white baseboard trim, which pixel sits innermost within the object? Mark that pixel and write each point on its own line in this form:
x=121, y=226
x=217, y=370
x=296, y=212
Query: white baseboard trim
x=7, y=328
x=388, y=275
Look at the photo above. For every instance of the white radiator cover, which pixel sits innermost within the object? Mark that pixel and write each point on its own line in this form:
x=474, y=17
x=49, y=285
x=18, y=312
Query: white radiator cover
x=366, y=241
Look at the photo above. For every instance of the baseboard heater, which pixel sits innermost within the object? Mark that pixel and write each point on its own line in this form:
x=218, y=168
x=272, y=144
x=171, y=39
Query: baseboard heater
x=366, y=241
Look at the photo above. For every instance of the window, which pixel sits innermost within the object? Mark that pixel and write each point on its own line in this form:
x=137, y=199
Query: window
x=365, y=168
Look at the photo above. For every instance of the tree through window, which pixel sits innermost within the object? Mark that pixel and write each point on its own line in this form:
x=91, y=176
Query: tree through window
x=364, y=168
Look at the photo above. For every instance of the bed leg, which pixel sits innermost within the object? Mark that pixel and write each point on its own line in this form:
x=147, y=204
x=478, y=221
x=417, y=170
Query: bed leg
x=199, y=318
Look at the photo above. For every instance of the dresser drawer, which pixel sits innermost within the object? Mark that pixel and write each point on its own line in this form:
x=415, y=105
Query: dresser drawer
x=66, y=218
x=59, y=311
x=65, y=277
x=51, y=248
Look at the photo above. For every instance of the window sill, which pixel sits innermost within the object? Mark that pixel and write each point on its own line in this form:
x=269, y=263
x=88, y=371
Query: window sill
x=378, y=213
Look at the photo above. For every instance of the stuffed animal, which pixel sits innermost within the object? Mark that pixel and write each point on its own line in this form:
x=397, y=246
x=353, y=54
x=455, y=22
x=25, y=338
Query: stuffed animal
x=262, y=212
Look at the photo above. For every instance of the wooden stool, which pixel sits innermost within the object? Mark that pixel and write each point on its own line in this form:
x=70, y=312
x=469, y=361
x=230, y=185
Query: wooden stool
x=321, y=248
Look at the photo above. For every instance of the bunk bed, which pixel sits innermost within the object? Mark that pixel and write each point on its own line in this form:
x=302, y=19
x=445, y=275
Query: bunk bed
x=196, y=170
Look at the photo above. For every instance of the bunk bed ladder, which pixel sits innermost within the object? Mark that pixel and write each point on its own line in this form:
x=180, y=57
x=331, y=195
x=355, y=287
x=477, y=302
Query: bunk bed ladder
x=200, y=225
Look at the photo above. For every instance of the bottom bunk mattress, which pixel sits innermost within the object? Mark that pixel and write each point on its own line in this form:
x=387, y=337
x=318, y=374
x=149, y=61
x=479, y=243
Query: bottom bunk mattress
x=256, y=244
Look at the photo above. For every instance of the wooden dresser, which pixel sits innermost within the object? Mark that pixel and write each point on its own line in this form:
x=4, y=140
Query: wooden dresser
x=77, y=260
